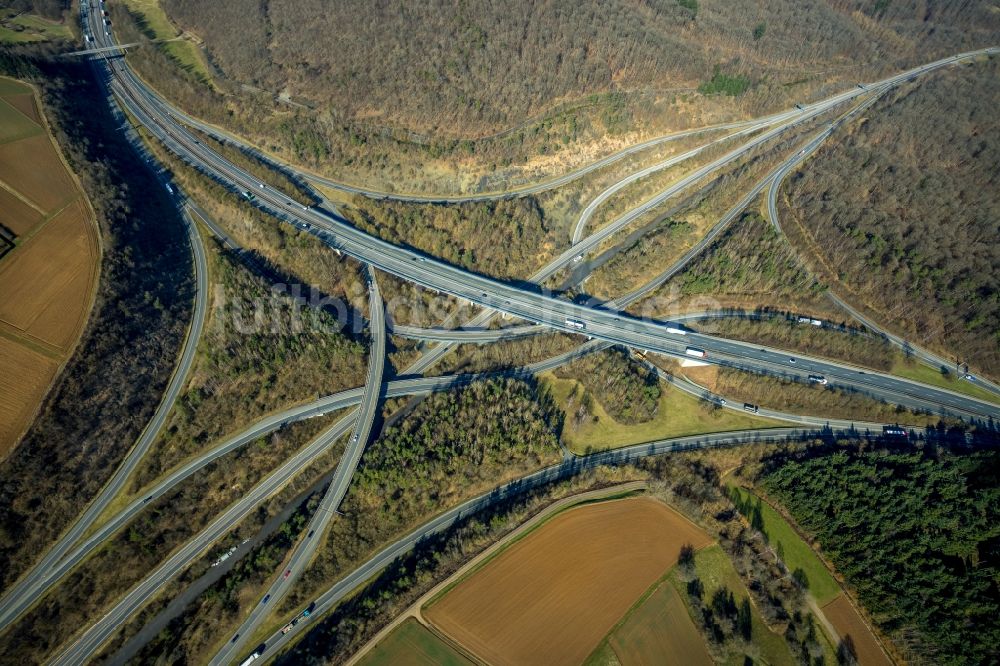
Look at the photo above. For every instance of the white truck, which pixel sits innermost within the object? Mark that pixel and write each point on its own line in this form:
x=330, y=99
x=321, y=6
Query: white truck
x=697, y=353
x=576, y=323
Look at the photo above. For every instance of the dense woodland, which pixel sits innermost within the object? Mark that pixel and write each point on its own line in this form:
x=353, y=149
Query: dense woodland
x=506, y=238
x=916, y=534
x=749, y=265
x=629, y=392
x=261, y=351
x=112, y=385
x=164, y=525
x=444, y=450
x=452, y=445
x=277, y=251
x=906, y=210
x=490, y=93
x=50, y=9
x=485, y=65
x=693, y=484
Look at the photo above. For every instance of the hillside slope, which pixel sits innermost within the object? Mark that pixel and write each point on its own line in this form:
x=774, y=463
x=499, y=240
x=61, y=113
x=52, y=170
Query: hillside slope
x=907, y=211
x=484, y=95
x=484, y=65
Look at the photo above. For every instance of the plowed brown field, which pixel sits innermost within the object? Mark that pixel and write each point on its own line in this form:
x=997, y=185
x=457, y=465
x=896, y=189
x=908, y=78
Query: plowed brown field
x=32, y=167
x=552, y=596
x=849, y=624
x=25, y=104
x=24, y=376
x=47, y=279
x=16, y=215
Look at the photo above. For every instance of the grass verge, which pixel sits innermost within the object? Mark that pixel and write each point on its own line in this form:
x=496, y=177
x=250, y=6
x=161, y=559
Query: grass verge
x=21, y=28
x=677, y=415
x=789, y=546
x=184, y=52
x=714, y=569
x=920, y=372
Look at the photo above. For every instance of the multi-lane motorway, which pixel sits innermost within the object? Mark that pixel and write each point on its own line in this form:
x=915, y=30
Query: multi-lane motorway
x=776, y=181
x=316, y=529
x=523, y=302
x=24, y=592
x=346, y=585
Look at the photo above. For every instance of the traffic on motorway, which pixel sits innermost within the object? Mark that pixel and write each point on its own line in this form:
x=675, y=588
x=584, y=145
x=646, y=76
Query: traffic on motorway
x=604, y=324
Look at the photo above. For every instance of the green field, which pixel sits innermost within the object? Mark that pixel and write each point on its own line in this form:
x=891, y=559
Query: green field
x=183, y=52
x=794, y=552
x=679, y=414
x=652, y=633
x=715, y=570
x=20, y=28
x=602, y=656
x=660, y=631
x=412, y=644
x=14, y=125
x=923, y=373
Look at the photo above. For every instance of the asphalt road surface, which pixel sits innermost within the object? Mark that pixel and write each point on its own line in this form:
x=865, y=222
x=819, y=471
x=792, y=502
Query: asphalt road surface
x=25, y=592
x=316, y=529
x=525, y=301
x=329, y=599
x=520, y=300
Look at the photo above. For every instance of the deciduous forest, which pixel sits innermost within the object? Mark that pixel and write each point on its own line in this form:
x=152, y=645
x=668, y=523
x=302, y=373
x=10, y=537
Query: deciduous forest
x=110, y=388
x=487, y=94
x=906, y=209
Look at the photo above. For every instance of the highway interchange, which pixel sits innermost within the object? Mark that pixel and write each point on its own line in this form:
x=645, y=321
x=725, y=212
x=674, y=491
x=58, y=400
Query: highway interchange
x=606, y=325
x=316, y=529
x=25, y=592
x=536, y=305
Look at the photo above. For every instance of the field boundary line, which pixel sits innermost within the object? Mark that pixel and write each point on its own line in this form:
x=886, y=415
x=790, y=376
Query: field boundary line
x=26, y=238
x=93, y=232
x=14, y=334
x=473, y=565
x=653, y=587
x=540, y=520
x=27, y=202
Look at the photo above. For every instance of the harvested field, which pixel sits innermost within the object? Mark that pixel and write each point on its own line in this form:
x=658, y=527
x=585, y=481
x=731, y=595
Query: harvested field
x=10, y=86
x=47, y=281
x=24, y=376
x=412, y=644
x=660, y=633
x=16, y=215
x=850, y=626
x=551, y=597
x=32, y=167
